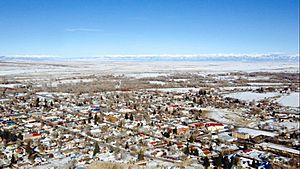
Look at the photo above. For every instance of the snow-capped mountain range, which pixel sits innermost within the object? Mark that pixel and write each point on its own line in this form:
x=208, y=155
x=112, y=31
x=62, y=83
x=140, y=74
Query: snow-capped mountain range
x=161, y=57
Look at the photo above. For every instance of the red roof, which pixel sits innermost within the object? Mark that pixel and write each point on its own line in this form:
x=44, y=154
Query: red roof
x=23, y=164
x=36, y=134
x=197, y=124
x=206, y=151
x=153, y=142
x=247, y=150
x=19, y=150
x=214, y=124
x=179, y=145
x=173, y=105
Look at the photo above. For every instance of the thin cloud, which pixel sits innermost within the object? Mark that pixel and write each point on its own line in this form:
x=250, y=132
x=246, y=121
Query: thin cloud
x=82, y=30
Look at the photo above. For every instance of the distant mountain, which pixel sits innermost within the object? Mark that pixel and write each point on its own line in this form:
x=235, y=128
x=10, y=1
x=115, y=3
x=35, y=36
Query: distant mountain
x=166, y=57
x=29, y=58
x=270, y=57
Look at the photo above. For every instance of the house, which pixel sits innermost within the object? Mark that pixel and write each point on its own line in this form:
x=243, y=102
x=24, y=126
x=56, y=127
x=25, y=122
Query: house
x=196, y=125
x=240, y=135
x=32, y=136
x=279, y=149
x=214, y=126
x=260, y=138
x=181, y=129
x=111, y=119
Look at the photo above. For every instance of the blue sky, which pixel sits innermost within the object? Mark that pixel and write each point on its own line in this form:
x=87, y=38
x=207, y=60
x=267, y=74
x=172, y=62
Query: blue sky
x=95, y=28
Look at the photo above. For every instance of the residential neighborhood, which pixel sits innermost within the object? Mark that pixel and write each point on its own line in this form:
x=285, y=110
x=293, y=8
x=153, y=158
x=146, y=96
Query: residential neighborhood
x=149, y=84
x=201, y=127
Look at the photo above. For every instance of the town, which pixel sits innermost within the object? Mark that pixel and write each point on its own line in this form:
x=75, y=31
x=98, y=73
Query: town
x=182, y=120
x=149, y=84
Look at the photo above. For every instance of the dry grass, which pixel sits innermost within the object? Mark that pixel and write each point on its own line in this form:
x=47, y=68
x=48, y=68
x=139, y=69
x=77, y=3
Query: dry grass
x=109, y=165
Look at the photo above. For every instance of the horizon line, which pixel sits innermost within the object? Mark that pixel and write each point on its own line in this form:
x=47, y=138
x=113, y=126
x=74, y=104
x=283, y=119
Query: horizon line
x=269, y=54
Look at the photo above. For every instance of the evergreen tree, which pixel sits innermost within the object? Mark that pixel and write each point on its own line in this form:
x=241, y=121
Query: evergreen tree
x=37, y=101
x=226, y=163
x=126, y=145
x=254, y=164
x=28, y=149
x=141, y=155
x=211, y=148
x=166, y=134
x=96, y=149
x=20, y=136
x=90, y=117
x=126, y=116
x=13, y=160
x=245, y=147
x=131, y=117
x=154, y=112
x=196, y=152
x=201, y=101
x=218, y=161
x=191, y=139
x=95, y=117
x=186, y=150
x=175, y=130
x=45, y=103
x=206, y=162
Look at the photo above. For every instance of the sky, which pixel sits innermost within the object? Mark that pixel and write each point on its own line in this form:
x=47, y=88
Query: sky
x=106, y=27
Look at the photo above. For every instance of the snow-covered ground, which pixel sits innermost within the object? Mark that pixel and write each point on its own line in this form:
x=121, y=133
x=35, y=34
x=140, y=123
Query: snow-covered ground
x=254, y=133
x=233, y=117
x=238, y=88
x=145, y=75
x=291, y=100
x=50, y=69
x=55, y=163
x=290, y=125
x=180, y=80
x=70, y=81
x=258, y=78
x=265, y=84
x=51, y=94
x=178, y=90
x=10, y=85
x=279, y=126
x=250, y=96
x=157, y=82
